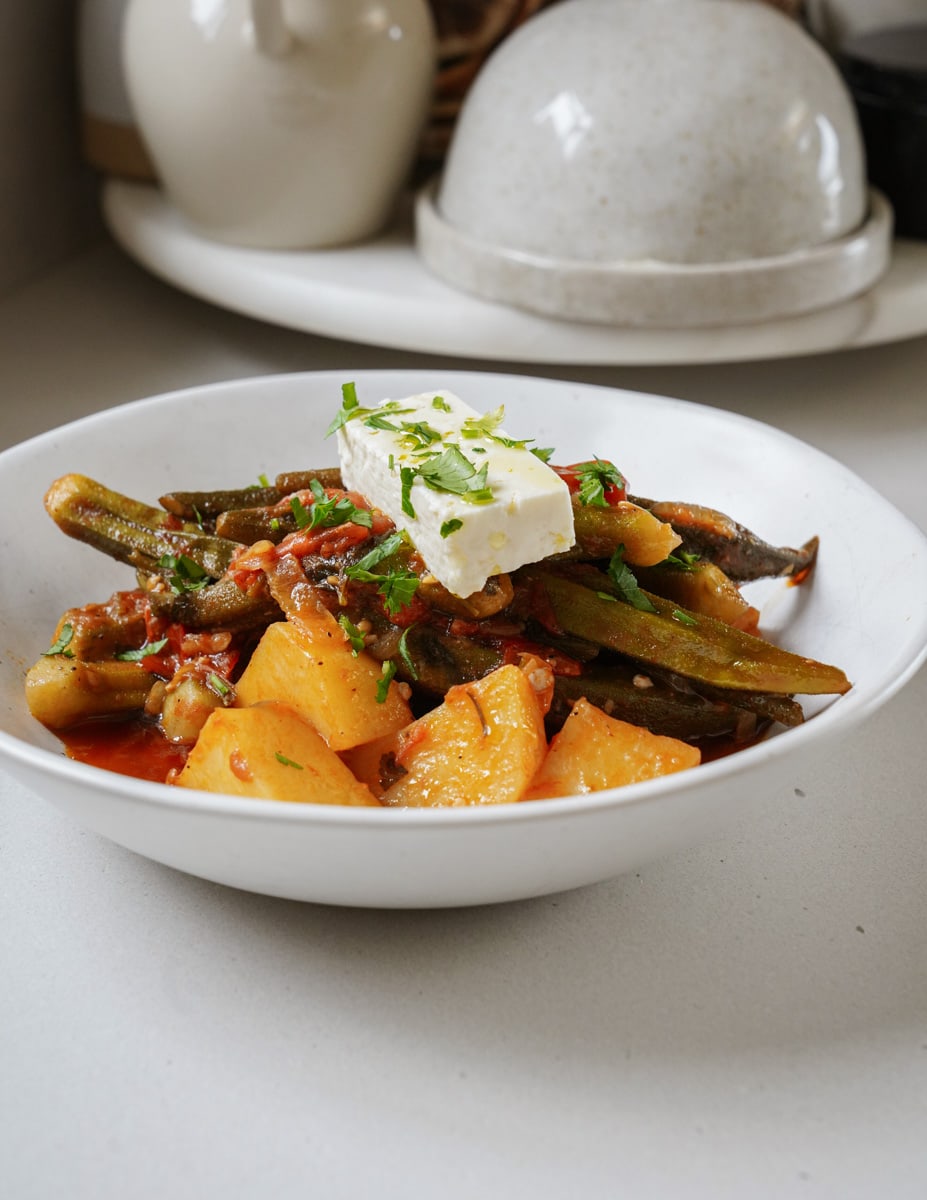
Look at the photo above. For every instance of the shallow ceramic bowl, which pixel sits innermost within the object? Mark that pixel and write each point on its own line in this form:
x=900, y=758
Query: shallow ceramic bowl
x=227, y=435
x=657, y=162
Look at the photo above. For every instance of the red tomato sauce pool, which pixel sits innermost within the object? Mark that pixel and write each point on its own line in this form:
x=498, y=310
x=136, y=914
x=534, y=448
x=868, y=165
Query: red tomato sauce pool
x=133, y=747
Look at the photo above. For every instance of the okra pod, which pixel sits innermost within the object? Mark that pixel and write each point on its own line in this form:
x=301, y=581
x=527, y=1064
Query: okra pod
x=694, y=646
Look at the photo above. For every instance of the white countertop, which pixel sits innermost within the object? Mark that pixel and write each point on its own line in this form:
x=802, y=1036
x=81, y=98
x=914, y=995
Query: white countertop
x=748, y=1019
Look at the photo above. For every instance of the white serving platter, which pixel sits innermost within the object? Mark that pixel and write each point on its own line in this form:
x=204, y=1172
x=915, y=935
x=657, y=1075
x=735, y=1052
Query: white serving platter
x=380, y=293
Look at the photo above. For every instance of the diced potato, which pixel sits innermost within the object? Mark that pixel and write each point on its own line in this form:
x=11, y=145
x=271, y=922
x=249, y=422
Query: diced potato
x=314, y=670
x=270, y=752
x=594, y=751
x=374, y=762
x=482, y=745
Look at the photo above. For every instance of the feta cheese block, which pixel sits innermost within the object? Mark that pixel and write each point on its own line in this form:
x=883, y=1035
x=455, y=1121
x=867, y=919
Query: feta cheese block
x=474, y=502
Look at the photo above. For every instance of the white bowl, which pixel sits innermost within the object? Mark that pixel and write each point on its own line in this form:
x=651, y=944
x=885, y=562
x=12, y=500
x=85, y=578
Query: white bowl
x=657, y=162
x=231, y=433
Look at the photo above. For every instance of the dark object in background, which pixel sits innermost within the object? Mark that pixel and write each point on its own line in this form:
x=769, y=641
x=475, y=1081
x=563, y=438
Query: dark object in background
x=886, y=72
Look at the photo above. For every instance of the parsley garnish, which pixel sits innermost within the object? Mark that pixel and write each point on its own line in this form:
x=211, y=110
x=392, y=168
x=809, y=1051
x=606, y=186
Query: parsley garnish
x=484, y=426
x=387, y=671
x=186, y=576
x=684, y=618
x=622, y=577
x=396, y=587
x=377, y=421
x=451, y=526
x=593, y=478
x=354, y=635
x=441, y=404
x=388, y=546
x=451, y=471
x=328, y=512
x=349, y=408
x=61, y=643
x=419, y=435
x=542, y=452
x=681, y=560
x=218, y=685
x=404, y=653
x=142, y=651
x=287, y=762
x=263, y=481
x=407, y=478
x=298, y=510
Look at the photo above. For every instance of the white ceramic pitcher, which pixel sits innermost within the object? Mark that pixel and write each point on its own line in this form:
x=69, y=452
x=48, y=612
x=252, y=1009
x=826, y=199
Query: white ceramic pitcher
x=281, y=123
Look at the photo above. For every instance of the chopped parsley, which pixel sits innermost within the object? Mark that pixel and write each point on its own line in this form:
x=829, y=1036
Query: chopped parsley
x=287, y=762
x=407, y=478
x=404, y=652
x=378, y=421
x=396, y=587
x=440, y=404
x=298, y=510
x=62, y=642
x=353, y=634
x=681, y=560
x=351, y=409
x=594, y=477
x=142, y=651
x=623, y=578
x=387, y=671
x=451, y=471
x=218, y=685
x=325, y=512
x=186, y=575
x=451, y=526
x=684, y=618
x=486, y=426
x=418, y=435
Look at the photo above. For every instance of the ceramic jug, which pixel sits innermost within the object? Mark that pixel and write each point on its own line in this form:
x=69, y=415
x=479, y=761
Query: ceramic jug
x=281, y=123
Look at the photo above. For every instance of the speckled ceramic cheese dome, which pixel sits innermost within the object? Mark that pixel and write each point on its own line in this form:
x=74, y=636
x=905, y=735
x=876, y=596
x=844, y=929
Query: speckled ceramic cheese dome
x=659, y=162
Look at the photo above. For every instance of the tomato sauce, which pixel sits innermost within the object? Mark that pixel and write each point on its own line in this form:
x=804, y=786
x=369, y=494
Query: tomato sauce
x=130, y=746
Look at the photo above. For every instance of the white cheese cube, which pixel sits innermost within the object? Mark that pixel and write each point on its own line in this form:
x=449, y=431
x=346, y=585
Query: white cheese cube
x=517, y=512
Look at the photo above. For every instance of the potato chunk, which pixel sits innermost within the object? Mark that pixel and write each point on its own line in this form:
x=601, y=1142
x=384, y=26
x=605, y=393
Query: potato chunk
x=594, y=751
x=482, y=745
x=314, y=670
x=270, y=752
